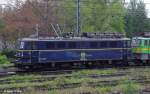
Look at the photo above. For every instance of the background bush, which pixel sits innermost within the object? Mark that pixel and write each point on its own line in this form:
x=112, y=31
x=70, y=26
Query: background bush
x=3, y=60
x=9, y=53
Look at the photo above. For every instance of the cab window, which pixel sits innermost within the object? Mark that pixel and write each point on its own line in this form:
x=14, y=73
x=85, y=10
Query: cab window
x=140, y=42
x=134, y=43
x=146, y=43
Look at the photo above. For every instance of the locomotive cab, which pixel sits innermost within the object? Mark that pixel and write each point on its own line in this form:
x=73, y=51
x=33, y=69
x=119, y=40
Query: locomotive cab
x=141, y=49
x=27, y=53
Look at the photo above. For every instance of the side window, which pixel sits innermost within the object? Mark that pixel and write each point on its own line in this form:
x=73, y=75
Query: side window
x=60, y=45
x=128, y=43
x=83, y=45
x=50, y=45
x=146, y=43
x=103, y=44
x=71, y=45
x=31, y=45
x=113, y=44
x=94, y=45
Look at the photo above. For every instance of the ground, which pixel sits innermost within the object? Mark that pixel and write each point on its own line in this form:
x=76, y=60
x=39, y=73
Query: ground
x=90, y=81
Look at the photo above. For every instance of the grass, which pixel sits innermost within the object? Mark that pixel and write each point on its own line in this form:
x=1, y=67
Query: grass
x=4, y=62
x=58, y=82
x=124, y=84
x=95, y=72
x=75, y=77
x=130, y=88
x=33, y=80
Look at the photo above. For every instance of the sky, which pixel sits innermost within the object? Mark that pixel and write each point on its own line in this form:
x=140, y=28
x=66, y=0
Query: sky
x=146, y=1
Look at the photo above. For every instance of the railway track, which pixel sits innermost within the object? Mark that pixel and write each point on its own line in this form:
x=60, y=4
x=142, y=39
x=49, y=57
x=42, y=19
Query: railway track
x=9, y=71
x=76, y=85
x=50, y=75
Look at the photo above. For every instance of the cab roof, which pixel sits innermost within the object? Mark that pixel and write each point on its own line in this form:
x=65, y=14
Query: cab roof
x=142, y=38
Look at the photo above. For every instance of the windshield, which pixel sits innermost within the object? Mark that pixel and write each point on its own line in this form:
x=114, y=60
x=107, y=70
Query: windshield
x=134, y=42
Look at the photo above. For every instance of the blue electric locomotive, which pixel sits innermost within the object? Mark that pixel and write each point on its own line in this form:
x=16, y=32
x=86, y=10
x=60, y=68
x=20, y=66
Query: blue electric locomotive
x=73, y=51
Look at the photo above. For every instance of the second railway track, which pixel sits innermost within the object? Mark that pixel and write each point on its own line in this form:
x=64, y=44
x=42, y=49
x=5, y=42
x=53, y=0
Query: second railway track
x=9, y=71
x=70, y=79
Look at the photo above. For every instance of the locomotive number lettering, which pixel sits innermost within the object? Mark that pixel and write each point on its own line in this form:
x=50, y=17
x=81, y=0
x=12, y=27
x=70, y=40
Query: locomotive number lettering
x=83, y=56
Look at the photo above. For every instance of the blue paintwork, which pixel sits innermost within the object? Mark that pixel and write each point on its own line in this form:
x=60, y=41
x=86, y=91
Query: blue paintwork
x=59, y=56
x=62, y=55
x=67, y=56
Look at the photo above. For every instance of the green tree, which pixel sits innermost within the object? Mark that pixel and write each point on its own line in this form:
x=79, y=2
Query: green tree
x=2, y=24
x=135, y=18
x=104, y=16
x=66, y=13
x=147, y=24
x=95, y=15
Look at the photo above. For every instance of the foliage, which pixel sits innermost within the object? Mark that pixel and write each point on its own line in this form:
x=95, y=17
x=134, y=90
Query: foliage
x=136, y=18
x=21, y=21
x=9, y=53
x=131, y=88
x=96, y=16
x=3, y=60
x=93, y=72
x=67, y=15
x=2, y=24
x=85, y=83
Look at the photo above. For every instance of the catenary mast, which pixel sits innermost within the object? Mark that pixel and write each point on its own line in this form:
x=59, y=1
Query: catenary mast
x=78, y=19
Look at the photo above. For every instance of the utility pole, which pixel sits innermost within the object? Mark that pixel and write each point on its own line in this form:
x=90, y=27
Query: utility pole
x=37, y=30
x=45, y=18
x=46, y=14
x=78, y=18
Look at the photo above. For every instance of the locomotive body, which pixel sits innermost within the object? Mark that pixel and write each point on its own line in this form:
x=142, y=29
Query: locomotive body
x=95, y=49
x=35, y=51
x=141, y=49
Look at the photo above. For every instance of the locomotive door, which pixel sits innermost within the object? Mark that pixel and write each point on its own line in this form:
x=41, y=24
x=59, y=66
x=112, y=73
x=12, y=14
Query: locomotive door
x=34, y=53
x=125, y=50
x=34, y=56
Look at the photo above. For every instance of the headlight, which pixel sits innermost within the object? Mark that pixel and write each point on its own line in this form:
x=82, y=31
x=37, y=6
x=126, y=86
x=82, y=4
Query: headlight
x=18, y=54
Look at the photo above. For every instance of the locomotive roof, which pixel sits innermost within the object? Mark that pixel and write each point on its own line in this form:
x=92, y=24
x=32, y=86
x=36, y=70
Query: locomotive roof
x=143, y=38
x=73, y=39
